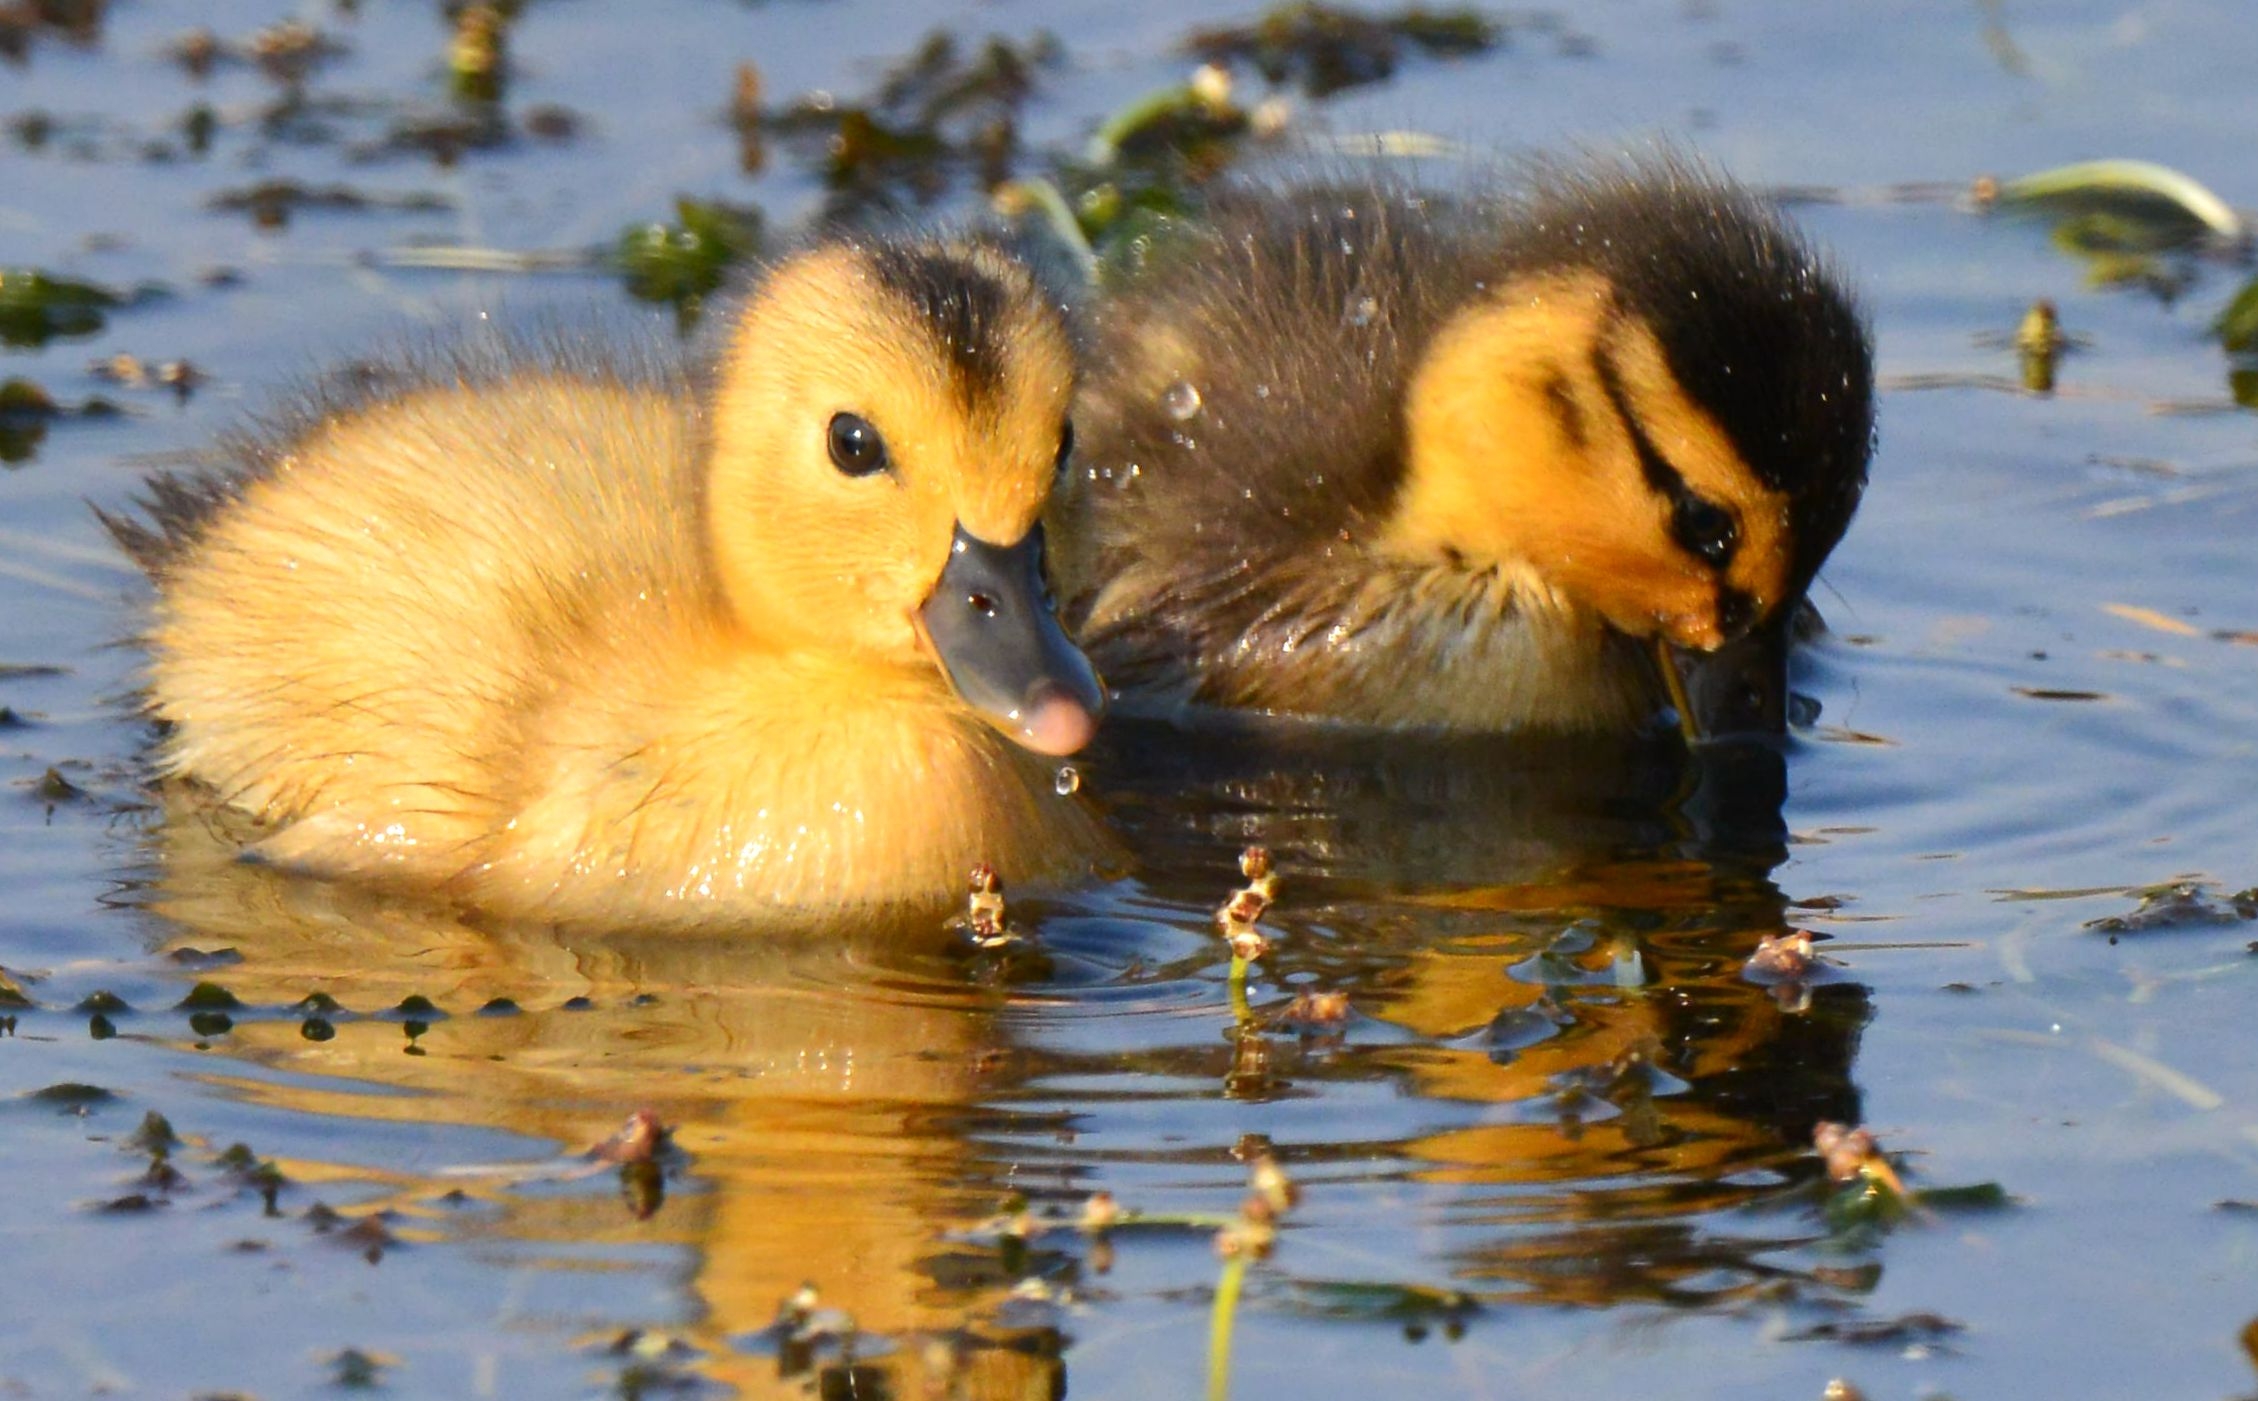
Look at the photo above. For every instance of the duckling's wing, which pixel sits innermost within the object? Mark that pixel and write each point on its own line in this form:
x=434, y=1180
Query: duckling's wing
x=353, y=630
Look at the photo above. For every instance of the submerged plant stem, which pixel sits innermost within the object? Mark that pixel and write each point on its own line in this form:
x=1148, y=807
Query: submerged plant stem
x=1219, y=1326
x=1676, y=685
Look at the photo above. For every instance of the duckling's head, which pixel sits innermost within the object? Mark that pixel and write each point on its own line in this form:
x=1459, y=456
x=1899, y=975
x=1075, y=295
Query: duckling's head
x=1656, y=407
x=888, y=419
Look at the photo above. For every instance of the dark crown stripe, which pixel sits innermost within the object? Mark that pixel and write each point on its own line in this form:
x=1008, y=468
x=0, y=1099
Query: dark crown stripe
x=966, y=308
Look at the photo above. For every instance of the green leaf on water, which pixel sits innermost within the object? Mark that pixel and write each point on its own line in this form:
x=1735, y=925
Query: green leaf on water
x=1976, y=1196
x=1863, y=1205
x=2169, y=208
x=2237, y=326
x=36, y=308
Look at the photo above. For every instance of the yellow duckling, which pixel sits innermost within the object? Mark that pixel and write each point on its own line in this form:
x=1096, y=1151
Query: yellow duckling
x=1354, y=453
x=573, y=643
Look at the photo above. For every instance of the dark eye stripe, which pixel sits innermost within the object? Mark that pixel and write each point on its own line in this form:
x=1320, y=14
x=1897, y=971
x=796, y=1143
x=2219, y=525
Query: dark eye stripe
x=1701, y=528
x=1566, y=412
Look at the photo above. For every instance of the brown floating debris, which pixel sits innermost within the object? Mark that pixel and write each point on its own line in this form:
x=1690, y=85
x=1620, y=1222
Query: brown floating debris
x=983, y=921
x=1271, y=1183
x=477, y=56
x=288, y=51
x=1326, y=49
x=270, y=203
x=1918, y=1327
x=1315, y=1011
x=639, y=1140
x=197, y=51
x=745, y=119
x=2039, y=344
x=356, y=1369
x=745, y=96
x=1253, y=1234
x=1782, y=957
x=984, y=907
x=1099, y=1211
x=1852, y=1153
x=551, y=121
x=155, y=1136
x=1271, y=1195
x=2040, y=332
x=2180, y=905
x=133, y=372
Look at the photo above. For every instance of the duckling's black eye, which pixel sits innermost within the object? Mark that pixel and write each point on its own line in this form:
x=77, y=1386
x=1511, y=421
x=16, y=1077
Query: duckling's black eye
x=1065, y=445
x=856, y=448
x=1705, y=529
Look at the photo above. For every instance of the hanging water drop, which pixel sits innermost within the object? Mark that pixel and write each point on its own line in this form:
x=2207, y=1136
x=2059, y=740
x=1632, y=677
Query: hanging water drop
x=1181, y=401
x=1068, y=780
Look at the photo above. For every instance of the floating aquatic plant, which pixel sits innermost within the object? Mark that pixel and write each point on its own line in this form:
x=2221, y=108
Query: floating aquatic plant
x=1326, y=49
x=36, y=307
x=679, y=264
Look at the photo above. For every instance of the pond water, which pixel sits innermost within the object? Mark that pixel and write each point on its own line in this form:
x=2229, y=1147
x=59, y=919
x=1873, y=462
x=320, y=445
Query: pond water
x=1560, y=1146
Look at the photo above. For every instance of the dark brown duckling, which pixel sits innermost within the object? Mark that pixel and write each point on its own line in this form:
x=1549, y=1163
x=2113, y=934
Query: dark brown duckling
x=1467, y=464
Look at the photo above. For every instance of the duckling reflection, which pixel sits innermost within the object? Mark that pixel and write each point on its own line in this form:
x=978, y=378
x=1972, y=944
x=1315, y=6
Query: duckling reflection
x=1655, y=1085
x=1574, y=1065
x=1562, y=926
x=818, y=1100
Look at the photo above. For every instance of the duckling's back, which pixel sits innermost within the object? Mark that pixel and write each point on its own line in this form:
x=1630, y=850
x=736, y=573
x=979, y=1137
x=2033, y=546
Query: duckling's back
x=365, y=617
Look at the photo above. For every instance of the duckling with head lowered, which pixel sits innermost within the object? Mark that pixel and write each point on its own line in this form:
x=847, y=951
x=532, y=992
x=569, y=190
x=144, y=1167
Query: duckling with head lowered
x=1468, y=465
x=569, y=642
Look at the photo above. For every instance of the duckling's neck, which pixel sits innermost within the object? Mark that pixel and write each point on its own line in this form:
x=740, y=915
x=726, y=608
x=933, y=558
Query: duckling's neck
x=743, y=777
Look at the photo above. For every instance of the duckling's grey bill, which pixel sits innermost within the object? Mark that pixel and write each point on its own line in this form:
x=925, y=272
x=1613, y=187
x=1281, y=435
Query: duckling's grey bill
x=990, y=621
x=1739, y=689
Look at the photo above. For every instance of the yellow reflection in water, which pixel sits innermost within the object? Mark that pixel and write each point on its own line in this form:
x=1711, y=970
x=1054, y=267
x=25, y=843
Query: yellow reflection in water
x=812, y=1096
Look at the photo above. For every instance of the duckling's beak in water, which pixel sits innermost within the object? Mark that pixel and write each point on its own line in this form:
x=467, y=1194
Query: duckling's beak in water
x=990, y=622
x=1739, y=689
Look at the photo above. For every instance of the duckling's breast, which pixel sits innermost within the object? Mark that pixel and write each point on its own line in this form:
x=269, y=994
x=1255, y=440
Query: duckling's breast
x=738, y=781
